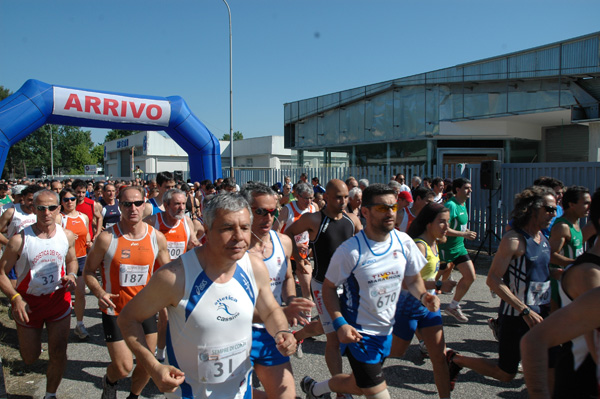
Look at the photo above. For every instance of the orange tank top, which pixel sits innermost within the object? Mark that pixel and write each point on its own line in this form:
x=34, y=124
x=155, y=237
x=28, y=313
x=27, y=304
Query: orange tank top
x=78, y=227
x=177, y=236
x=128, y=265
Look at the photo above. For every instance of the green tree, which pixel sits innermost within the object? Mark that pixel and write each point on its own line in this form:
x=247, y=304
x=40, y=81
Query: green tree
x=98, y=154
x=237, y=135
x=119, y=134
x=75, y=147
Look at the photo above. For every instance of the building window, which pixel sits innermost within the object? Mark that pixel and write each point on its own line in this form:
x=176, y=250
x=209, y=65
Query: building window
x=249, y=162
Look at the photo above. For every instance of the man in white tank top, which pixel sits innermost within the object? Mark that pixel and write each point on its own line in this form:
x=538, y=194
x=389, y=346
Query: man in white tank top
x=46, y=267
x=272, y=368
x=211, y=293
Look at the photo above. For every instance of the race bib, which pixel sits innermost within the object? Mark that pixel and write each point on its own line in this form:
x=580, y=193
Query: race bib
x=45, y=280
x=463, y=227
x=176, y=249
x=302, y=241
x=384, y=296
x=133, y=275
x=217, y=364
x=539, y=293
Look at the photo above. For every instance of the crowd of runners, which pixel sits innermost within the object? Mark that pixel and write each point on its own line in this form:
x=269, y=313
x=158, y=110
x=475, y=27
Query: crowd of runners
x=209, y=285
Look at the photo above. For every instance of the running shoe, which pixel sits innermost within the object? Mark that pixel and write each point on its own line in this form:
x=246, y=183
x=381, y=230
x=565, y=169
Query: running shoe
x=453, y=368
x=456, y=313
x=494, y=295
x=81, y=332
x=423, y=348
x=493, y=325
x=299, y=352
x=307, y=385
x=108, y=391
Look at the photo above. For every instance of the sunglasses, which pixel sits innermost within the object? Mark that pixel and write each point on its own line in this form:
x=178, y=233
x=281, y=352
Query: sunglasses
x=127, y=204
x=264, y=212
x=384, y=208
x=69, y=199
x=43, y=208
x=550, y=209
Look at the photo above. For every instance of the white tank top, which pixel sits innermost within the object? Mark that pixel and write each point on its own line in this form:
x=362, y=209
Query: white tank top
x=42, y=262
x=209, y=336
x=19, y=221
x=277, y=267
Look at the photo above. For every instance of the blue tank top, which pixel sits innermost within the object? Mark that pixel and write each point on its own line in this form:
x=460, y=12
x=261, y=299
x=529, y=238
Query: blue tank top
x=528, y=277
x=110, y=213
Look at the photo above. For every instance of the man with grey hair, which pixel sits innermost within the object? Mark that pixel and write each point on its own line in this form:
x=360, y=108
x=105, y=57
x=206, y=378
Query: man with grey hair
x=414, y=184
x=211, y=293
x=363, y=183
x=181, y=235
x=288, y=215
x=43, y=255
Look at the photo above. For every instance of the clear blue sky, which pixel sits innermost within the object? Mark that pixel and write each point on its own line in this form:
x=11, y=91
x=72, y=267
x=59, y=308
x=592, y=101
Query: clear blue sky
x=283, y=50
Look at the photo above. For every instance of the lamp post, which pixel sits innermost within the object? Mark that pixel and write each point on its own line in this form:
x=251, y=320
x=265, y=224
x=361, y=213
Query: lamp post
x=230, y=96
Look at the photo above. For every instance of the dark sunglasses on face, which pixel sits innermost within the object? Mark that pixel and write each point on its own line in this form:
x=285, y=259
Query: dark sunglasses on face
x=127, y=204
x=263, y=211
x=550, y=209
x=69, y=199
x=43, y=208
x=384, y=208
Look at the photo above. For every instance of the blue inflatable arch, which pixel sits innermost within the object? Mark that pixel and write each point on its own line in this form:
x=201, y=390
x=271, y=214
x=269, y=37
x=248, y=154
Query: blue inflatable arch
x=37, y=103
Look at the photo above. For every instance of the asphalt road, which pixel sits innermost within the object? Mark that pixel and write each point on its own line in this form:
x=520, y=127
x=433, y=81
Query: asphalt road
x=410, y=377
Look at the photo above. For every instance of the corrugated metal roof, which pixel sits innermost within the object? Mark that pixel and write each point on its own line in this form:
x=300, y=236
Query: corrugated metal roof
x=576, y=56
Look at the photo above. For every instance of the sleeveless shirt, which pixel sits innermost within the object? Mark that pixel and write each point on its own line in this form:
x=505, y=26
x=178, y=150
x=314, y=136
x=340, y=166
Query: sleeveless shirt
x=209, y=336
x=42, y=262
x=331, y=234
x=528, y=277
x=128, y=265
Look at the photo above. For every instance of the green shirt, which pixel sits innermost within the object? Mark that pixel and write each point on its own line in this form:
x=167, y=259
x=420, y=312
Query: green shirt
x=459, y=218
x=573, y=247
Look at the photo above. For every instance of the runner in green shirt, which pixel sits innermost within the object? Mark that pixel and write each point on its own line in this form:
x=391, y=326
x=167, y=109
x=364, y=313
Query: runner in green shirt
x=454, y=251
x=566, y=241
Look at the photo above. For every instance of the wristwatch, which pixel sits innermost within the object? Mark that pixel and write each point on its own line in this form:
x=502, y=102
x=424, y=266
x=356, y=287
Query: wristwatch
x=525, y=312
x=438, y=285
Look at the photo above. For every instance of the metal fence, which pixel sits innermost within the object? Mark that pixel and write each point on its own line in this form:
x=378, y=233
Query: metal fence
x=486, y=207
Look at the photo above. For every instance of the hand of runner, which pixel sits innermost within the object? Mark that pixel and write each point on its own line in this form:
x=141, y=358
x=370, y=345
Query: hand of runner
x=286, y=343
x=532, y=319
x=304, y=266
x=296, y=309
x=470, y=235
x=431, y=302
x=167, y=378
x=105, y=302
x=348, y=334
x=20, y=310
x=448, y=285
x=69, y=282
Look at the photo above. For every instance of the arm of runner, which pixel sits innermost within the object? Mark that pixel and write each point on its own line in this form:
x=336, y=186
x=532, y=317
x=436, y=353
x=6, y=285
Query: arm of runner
x=558, y=237
x=70, y=278
x=346, y=333
x=467, y=234
x=4, y=221
x=564, y=324
x=296, y=306
x=97, y=219
x=165, y=288
x=20, y=308
x=416, y=287
x=163, y=252
x=193, y=240
x=92, y=264
x=270, y=311
x=277, y=223
x=511, y=246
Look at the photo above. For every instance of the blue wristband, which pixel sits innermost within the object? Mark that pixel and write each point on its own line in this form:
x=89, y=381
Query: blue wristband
x=337, y=323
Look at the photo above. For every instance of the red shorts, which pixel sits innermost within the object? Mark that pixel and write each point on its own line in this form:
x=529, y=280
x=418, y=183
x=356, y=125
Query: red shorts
x=47, y=308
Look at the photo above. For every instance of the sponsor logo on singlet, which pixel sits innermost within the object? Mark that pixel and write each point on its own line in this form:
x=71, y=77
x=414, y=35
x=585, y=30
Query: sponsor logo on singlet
x=225, y=308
